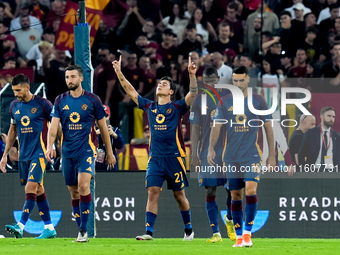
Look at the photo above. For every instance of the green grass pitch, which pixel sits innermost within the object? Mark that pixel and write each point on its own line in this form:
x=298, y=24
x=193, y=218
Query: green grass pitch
x=199, y=246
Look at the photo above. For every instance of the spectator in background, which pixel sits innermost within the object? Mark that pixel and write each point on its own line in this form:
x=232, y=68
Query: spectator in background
x=105, y=35
x=104, y=79
x=131, y=25
x=117, y=143
x=329, y=23
x=310, y=20
x=297, y=4
x=138, y=45
x=189, y=44
x=166, y=48
x=10, y=62
x=149, y=29
x=38, y=10
x=253, y=71
x=144, y=140
x=175, y=74
x=306, y=122
x=4, y=15
x=9, y=46
x=27, y=36
x=158, y=68
x=209, y=10
x=54, y=63
x=36, y=51
x=24, y=11
x=203, y=27
x=270, y=23
x=236, y=26
x=191, y=6
x=3, y=30
x=150, y=49
x=325, y=13
x=223, y=42
x=149, y=78
x=56, y=12
x=310, y=45
x=300, y=70
x=286, y=62
x=176, y=21
x=224, y=71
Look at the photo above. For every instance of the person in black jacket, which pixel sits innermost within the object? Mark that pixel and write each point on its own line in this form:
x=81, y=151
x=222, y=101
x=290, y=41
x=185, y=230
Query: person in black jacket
x=320, y=146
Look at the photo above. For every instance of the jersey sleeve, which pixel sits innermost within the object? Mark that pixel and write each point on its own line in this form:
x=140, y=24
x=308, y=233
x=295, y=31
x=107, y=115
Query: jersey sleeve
x=99, y=109
x=13, y=121
x=219, y=113
x=195, y=114
x=47, y=109
x=183, y=106
x=143, y=102
x=56, y=110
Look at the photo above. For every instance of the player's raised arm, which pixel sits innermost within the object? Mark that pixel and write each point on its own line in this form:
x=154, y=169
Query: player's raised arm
x=111, y=160
x=192, y=69
x=52, y=135
x=12, y=134
x=129, y=89
x=214, y=135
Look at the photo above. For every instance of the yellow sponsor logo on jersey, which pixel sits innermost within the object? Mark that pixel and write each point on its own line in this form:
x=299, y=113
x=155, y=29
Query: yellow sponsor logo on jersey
x=17, y=112
x=239, y=117
x=66, y=107
x=160, y=118
x=25, y=121
x=154, y=111
x=74, y=117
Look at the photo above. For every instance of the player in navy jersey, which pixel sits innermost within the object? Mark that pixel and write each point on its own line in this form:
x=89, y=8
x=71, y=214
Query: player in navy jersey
x=77, y=110
x=30, y=115
x=242, y=157
x=167, y=149
x=201, y=128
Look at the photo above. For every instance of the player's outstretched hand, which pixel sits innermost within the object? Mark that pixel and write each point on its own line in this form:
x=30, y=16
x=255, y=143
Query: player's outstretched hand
x=117, y=64
x=195, y=161
x=211, y=157
x=291, y=171
x=192, y=68
x=50, y=153
x=111, y=160
x=3, y=164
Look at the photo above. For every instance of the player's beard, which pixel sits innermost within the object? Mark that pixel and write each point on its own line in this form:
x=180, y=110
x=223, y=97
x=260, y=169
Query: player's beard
x=72, y=87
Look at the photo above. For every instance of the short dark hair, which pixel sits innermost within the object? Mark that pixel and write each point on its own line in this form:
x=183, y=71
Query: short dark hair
x=312, y=29
x=240, y=70
x=326, y=109
x=233, y=5
x=285, y=13
x=20, y=79
x=75, y=67
x=210, y=71
x=191, y=26
x=172, y=84
x=333, y=6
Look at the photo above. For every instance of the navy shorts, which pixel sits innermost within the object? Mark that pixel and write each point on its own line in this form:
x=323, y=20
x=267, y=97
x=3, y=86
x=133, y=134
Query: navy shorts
x=71, y=167
x=170, y=169
x=32, y=171
x=240, y=172
x=211, y=176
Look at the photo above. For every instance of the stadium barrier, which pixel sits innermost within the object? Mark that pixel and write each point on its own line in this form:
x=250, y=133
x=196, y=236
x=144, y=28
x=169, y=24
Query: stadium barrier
x=288, y=207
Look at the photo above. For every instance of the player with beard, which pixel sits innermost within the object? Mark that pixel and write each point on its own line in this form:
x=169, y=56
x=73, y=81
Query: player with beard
x=30, y=115
x=167, y=149
x=77, y=111
x=320, y=145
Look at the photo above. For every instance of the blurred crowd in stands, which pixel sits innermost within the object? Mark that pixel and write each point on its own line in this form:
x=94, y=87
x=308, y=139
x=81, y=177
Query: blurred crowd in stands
x=283, y=43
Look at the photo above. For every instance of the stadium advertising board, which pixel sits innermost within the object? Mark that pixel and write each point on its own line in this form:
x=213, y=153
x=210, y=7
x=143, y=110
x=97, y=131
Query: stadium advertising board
x=288, y=208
